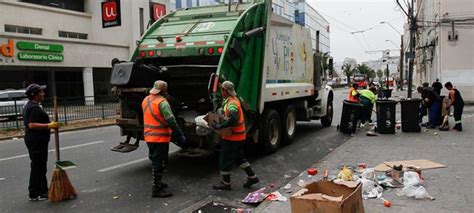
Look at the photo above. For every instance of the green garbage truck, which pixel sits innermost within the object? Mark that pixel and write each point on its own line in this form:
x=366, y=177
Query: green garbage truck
x=279, y=77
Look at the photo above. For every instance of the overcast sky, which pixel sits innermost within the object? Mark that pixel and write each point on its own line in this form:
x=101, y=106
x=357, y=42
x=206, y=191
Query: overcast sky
x=347, y=16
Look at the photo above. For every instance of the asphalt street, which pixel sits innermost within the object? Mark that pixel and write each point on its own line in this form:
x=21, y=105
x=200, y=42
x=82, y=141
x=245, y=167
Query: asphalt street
x=110, y=181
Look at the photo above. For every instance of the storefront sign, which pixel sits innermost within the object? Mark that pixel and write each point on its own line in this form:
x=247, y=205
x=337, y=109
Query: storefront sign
x=157, y=11
x=111, y=14
x=49, y=57
x=23, y=45
x=7, y=49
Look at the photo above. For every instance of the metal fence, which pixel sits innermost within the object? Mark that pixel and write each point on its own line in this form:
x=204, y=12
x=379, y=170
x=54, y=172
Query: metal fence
x=69, y=109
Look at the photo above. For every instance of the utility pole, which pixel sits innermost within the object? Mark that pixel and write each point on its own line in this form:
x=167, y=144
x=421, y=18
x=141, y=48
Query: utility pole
x=401, y=63
x=412, y=22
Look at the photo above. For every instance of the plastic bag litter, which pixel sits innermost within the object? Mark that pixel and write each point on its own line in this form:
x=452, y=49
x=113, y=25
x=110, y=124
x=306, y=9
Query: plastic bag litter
x=276, y=196
x=254, y=197
x=370, y=189
x=202, y=127
x=412, y=187
x=368, y=174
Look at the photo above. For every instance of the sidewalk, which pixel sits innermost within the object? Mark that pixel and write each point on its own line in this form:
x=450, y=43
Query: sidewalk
x=452, y=186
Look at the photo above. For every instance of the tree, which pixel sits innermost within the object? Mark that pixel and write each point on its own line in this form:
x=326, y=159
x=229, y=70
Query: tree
x=348, y=71
x=363, y=69
x=371, y=75
x=379, y=74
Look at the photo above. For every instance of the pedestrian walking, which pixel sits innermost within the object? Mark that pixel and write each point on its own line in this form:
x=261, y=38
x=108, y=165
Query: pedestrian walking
x=37, y=136
x=433, y=102
x=437, y=87
x=159, y=127
x=353, y=94
x=232, y=144
x=367, y=99
x=458, y=103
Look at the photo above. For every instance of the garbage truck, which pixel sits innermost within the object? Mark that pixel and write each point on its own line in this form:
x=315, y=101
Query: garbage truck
x=278, y=76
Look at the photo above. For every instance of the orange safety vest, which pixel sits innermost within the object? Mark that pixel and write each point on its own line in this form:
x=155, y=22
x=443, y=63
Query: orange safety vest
x=238, y=131
x=156, y=130
x=352, y=98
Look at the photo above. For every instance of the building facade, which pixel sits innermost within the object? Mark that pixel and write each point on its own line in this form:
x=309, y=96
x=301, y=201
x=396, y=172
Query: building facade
x=445, y=44
x=307, y=16
x=69, y=45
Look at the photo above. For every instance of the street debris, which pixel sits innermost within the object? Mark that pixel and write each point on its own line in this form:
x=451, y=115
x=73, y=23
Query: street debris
x=386, y=203
x=2, y=179
x=312, y=171
x=255, y=197
x=412, y=187
x=371, y=133
x=422, y=164
x=115, y=197
x=287, y=186
x=301, y=183
x=276, y=196
x=345, y=174
x=287, y=176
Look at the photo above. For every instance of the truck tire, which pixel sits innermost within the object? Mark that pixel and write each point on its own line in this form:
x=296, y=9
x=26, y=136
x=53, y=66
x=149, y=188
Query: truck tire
x=327, y=119
x=270, y=131
x=288, y=124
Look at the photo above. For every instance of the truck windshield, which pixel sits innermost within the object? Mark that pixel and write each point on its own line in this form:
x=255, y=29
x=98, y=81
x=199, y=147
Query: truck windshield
x=359, y=78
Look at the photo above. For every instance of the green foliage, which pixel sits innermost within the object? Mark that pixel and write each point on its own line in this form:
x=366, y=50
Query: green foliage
x=363, y=69
x=379, y=73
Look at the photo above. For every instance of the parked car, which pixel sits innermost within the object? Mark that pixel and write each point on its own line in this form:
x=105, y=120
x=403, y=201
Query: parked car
x=8, y=100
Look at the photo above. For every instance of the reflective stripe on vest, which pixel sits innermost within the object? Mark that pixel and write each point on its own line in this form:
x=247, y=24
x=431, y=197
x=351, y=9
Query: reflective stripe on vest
x=238, y=131
x=352, y=98
x=155, y=128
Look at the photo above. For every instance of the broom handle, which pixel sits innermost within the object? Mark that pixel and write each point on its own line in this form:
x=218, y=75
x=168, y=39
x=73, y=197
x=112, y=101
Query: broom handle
x=56, y=131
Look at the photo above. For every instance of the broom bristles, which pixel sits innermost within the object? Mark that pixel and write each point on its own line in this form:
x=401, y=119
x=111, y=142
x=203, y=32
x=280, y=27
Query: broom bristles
x=61, y=187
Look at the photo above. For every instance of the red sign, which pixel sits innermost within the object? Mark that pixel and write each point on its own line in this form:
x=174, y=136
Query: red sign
x=111, y=14
x=157, y=11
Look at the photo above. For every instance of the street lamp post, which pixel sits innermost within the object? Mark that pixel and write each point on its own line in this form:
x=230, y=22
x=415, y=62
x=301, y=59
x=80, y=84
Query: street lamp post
x=401, y=51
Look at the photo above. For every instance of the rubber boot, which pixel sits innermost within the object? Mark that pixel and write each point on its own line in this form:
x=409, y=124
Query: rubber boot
x=158, y=189
x=251, y=177
x=458, y=127
x=224, y=184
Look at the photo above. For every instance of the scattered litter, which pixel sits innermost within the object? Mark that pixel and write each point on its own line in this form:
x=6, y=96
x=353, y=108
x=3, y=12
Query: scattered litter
x=312, y=171
x=254, y=197
x=287, y=186
x=371, y=133
x=287, y=176
x=386, y=203
x=326, y=174
x=129, y=195
x=276, y=196
x=345, y=174
x=166, y=204
x=422, y=164
x=15, y=138
x=115, y=197
x=73, y=206
x=2, y=179
x=412, y=187
x=368, y=174
x=301, y=183
x=457, y=177
x=435, y=133
x=271, y=185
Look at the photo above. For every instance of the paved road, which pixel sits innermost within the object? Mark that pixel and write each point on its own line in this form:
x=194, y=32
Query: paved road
x=101, y=174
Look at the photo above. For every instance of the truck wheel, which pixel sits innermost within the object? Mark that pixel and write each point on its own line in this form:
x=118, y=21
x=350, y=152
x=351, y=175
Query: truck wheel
x=270, y=131
x=288, y=124
x=327, y=120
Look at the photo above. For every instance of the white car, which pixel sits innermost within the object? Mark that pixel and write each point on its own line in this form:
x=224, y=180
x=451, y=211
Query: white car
x=8, y=100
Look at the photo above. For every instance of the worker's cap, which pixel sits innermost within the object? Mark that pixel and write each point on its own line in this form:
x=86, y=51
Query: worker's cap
x=158, y=86
x=33, y=89
x=229, y=86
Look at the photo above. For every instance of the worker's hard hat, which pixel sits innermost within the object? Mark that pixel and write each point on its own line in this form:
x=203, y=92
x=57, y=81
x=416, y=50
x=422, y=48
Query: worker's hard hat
x=229, y=86
x=158, y=86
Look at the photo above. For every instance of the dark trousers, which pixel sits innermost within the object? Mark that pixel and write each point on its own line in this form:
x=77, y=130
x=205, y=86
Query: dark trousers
x=158, y=155
x=366, y=113
x=458, y=109
x=231, y=153
x=422, y=111
x=434, y=113
x=38, y=152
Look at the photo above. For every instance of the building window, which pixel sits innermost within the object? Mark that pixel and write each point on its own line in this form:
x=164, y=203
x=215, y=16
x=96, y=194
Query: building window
x=141, y=17
x=65, y=34
x=23, y=29
x=76, y=5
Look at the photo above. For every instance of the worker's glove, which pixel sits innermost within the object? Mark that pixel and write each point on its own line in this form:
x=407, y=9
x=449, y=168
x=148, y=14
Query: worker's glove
x=181, y=141
x=215, y=125
x=53, y=125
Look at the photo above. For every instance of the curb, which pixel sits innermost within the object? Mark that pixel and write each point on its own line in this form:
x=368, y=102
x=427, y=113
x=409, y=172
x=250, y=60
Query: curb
x=60, y=131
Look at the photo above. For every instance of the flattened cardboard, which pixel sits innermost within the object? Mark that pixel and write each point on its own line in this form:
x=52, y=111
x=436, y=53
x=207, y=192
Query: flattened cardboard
x=423, y=164
x=325, y=196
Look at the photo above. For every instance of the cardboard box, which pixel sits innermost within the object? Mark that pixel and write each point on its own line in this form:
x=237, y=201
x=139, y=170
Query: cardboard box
x=214, y=117
x=328, y=197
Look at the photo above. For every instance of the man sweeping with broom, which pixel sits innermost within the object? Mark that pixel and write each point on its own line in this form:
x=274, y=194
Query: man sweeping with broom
x=37, y=135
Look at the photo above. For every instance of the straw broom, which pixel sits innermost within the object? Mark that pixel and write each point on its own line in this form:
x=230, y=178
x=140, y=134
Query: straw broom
x=61, y=187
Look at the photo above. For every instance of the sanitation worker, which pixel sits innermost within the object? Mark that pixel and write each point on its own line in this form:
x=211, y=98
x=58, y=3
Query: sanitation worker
x=367, y=99
x=232, y=144
x=353, y=93
x=159, y=127
x=433, y=102
x=37, y=135
x=458, y=103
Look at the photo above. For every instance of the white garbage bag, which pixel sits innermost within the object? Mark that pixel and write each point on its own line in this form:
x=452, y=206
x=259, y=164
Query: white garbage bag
x=202, y=127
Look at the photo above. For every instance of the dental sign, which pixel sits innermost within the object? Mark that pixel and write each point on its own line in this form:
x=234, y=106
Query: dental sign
x=30, y=51
x=111, y=14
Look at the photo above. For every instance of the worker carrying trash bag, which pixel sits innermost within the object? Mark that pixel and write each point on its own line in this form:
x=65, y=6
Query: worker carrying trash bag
x=232, y=145
x=367, y=99
x=458, y=103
